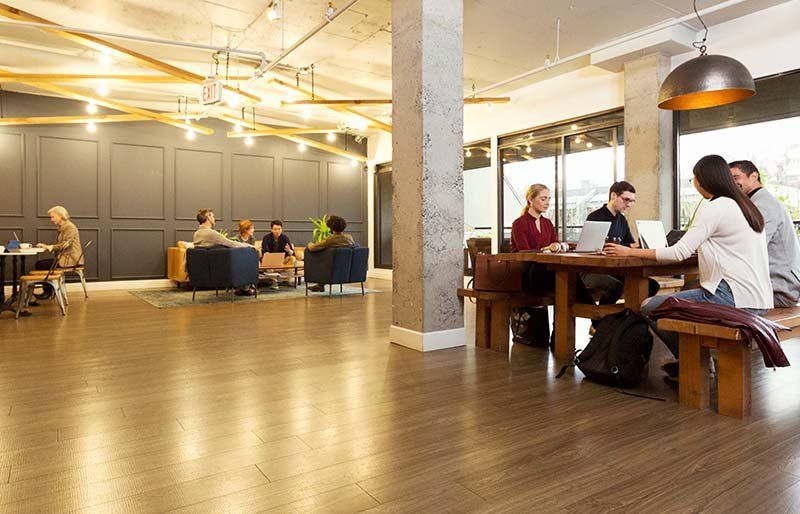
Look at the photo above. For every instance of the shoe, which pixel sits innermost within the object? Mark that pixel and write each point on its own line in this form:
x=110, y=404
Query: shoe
x=274, y=286
x=317, y=288
x=245, y=292
x=671, y=369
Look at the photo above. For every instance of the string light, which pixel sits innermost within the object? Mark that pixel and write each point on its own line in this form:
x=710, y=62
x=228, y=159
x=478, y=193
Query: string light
x=91, y=127
x=91, y=108
x=331, y=137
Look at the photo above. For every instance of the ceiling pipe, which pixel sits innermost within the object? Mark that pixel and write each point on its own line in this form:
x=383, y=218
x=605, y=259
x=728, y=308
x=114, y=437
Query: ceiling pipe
x=328, y=19
x=624, y=39
x=262, y=57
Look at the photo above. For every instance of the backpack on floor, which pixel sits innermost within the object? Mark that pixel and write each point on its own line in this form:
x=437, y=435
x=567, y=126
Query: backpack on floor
x=530, y=326
x=618, y=352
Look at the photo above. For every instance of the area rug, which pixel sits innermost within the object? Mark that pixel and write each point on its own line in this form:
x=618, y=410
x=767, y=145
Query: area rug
x=165, y=298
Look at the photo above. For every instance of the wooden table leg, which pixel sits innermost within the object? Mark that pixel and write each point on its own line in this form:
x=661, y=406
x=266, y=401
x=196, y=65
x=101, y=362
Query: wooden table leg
x=565, y=321
x=483, y=319
x=501, y=313
x=733, y=379
x=693, y=385
x=635, y=292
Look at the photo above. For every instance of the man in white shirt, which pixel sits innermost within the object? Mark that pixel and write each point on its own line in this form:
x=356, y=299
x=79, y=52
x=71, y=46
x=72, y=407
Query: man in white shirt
x=206, y=236
x=782, y=242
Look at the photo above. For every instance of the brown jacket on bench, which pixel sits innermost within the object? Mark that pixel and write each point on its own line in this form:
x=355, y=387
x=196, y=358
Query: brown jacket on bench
x=762, y=330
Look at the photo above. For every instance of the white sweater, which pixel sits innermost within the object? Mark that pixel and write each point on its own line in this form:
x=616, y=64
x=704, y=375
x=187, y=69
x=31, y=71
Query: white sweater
x=727, y=248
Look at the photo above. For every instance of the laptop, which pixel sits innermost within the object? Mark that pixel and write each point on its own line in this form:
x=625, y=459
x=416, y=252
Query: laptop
x=272, y=260
x=651, y=234
x=593, y=237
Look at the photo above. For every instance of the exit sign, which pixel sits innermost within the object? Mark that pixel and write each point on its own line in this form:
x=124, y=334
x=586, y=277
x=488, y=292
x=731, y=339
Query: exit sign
x=212, y=91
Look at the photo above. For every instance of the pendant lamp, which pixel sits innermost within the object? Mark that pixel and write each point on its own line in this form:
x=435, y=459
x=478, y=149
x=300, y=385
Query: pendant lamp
x=705, y=81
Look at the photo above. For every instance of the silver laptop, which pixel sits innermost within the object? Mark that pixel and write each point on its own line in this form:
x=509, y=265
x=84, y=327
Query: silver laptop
x=651, y=234
x=593, y=237
x=269, y=260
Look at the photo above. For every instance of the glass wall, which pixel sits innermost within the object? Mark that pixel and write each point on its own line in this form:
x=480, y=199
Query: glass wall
x=578, y=160
x=763, y=129
x=478, y=179
x=383, y=216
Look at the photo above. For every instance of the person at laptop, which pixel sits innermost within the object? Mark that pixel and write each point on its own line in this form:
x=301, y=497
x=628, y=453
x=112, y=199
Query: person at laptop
x=533, y=231
x=206, y=236
x=729, y=238
x=782, y=245
x=621, y=197
x=338, y=239
x=278, y=242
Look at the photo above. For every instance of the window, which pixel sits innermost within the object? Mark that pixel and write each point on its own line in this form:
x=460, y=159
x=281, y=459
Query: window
x=762, y=129
x=383, y=216
x=478, y=178
x=578, y=160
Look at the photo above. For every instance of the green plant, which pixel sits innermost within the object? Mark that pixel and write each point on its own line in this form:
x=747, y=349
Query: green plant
x=321, y=228
x=224, y=232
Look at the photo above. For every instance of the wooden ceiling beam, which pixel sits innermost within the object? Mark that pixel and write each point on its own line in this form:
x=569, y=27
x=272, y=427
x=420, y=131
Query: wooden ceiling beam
x=117, y=106
x=61, y=78
x=119, y=51
x=72, y=120
x=297, y=139
x=339, y=108
x=386, y=101
x=280, y=132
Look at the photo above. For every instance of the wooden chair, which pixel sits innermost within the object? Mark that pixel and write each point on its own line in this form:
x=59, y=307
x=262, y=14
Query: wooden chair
x=28, y=283
x=78, y=269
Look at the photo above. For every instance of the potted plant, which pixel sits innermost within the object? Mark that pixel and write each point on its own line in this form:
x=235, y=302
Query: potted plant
x=321, y=228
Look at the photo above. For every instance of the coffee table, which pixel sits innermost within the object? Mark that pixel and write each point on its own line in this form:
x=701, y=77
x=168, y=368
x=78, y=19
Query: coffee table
x=291, y=271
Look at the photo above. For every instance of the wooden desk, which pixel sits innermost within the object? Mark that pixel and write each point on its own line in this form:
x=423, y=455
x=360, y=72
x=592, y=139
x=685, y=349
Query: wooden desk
x=566, y=266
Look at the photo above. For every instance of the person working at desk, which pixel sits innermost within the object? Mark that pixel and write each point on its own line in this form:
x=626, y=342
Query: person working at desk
x=728, y=235
x=67, y=245
x=533, y=231
x=782, y=244
x=338, y=239
x=621, y=197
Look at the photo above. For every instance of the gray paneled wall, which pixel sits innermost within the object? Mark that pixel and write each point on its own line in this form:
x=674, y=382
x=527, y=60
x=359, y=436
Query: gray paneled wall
x=134, y=188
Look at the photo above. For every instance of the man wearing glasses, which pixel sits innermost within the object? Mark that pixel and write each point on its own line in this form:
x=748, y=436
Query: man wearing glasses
x=621, y=197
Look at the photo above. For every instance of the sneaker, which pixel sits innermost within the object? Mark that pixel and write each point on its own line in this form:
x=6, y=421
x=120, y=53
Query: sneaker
x=317, y=288
x=274, y=285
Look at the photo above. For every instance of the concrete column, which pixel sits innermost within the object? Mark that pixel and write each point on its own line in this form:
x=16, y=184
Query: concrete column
x=649, y=140
x=427, y=173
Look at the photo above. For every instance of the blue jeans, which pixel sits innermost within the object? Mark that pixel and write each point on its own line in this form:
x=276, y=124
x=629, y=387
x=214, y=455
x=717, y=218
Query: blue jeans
x=722, y=296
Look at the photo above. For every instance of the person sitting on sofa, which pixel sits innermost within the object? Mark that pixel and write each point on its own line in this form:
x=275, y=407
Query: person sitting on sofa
x=277, y=242
x=206, y=236
x=338, y=239
x=245, y=235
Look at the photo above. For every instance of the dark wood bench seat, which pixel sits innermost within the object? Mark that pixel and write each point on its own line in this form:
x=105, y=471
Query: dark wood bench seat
x=733, y=361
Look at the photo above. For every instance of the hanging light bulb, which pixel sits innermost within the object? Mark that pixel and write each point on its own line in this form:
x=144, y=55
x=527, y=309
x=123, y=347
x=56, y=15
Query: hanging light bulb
x=488, y=155
x=468, y=153
x=331, y=137
x=104, y=58
x=275, y=11
x=102, y=90
x=301, y=147
x=306, y=113
x=353, y=163
x=528, y=149
x=573, y=127
x=237, y=128
x=248, y=141
x=578, y=139
x=358, y=123
x=589, y=144
x=91, y=127
x=190, y=135
x=91, y=108
x=233, y=101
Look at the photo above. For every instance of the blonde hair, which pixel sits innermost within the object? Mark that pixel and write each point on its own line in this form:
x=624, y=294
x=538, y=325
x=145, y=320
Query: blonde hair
x=244, y=226
x=59, y=211
x=532, y=193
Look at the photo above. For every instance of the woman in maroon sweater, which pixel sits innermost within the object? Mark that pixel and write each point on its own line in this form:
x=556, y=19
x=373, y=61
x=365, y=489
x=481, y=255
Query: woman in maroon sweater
x=533, y=231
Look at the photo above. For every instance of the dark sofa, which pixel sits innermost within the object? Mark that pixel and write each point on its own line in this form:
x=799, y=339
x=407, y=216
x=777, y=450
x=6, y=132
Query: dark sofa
x=219, y=267
x=336, y=266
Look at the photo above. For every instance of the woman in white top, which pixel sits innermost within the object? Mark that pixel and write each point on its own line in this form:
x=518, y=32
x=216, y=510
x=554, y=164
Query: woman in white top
x=728, y=236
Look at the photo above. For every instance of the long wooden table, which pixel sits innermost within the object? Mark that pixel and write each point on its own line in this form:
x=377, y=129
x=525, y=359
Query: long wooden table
x=566, y=267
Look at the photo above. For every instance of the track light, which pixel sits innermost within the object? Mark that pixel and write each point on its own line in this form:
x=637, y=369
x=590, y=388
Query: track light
x=275, y=11
x=190, y=135
x=91, y=127
x=301, y=147
x=468, y=153
x=102, y=90
x=91, y=108
x=331, y=137
x=248, y=141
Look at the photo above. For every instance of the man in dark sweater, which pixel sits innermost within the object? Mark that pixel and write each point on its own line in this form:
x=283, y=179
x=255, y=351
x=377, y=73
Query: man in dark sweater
x=277, y=242
x=621, y=197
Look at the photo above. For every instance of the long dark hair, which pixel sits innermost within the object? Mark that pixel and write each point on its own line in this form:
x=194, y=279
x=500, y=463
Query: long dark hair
x=714, y=176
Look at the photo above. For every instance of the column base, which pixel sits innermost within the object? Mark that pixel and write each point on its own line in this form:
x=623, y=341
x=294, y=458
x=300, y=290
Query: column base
x=427, y=341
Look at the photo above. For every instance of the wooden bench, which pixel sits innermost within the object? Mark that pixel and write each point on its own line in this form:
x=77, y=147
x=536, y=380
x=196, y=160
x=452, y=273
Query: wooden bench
x=733, y=361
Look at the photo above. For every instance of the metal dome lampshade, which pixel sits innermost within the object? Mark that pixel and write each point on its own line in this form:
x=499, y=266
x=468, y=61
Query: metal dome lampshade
x=706, y=81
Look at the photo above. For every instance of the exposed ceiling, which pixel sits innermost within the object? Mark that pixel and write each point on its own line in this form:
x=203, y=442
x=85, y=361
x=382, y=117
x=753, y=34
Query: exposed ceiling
x=351, y=56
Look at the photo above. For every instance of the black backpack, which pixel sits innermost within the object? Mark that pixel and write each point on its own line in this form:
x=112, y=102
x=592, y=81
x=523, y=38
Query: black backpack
x=618, y=352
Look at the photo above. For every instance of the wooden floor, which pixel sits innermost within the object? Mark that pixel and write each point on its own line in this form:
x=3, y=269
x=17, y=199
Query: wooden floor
x=303, y=406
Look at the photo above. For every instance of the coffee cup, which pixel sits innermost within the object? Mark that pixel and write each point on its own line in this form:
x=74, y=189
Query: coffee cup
x=24, y=246
x=2, y=249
